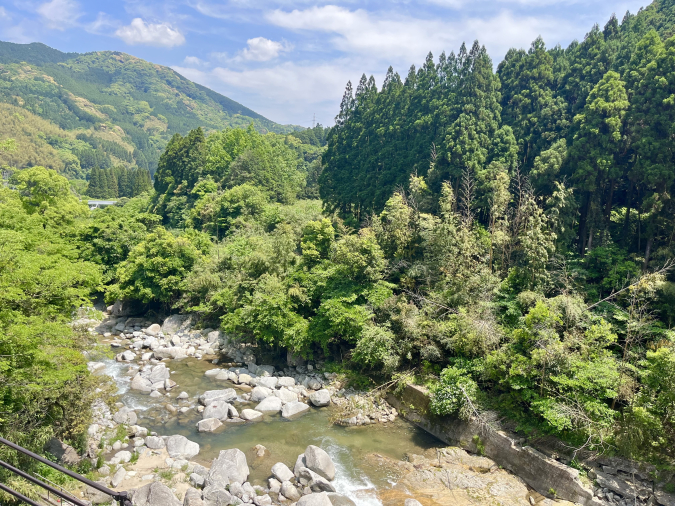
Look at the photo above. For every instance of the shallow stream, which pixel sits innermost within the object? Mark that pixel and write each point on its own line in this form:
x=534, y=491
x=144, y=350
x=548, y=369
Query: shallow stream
x=285, y=440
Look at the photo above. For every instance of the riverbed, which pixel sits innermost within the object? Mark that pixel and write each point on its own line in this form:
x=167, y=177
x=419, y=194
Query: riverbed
x=349, y=447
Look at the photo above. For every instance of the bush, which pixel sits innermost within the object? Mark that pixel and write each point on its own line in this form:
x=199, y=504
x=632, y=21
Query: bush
x=454, y=393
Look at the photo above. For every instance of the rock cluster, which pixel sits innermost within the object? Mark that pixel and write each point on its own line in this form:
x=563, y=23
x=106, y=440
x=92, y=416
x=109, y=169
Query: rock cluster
x=622, y=483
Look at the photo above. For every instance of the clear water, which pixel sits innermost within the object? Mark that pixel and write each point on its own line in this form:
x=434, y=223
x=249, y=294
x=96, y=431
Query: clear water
x=285, y=440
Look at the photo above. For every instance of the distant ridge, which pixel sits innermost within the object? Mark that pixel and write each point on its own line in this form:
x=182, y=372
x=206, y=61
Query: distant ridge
x=116, y=98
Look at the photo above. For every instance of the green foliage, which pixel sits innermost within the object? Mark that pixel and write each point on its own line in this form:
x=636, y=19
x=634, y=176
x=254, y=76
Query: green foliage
x=454, y=393
x=155, y=268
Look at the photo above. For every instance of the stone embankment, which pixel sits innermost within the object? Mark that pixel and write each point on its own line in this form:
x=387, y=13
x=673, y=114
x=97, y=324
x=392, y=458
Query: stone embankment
x=611, y=482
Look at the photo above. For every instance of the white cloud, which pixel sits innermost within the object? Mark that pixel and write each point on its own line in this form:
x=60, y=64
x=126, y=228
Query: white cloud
x=150, y=34
x=399, y=39
x=60, y=14
x=3, y=13
x=288, y=92
x=100, y=24
x=193, y=61
x=262, y=49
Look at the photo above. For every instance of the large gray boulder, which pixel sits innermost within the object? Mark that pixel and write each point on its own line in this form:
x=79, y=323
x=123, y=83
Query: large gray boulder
x=260, y=393
x=316, y=482
x=155, y=442
x=289, y=491
x=65, y=454
x=193, y=497
x=181, y=447
x=227, y=395
x=320, y=499
x=230, y=466
x=282, y=473
x=173, y=352
x=154, y=494
x=174, y=323
x=117, y=478
x=250, y=414
x=320, y=398
x=125, y=416
x=159, y=373
x=154, y=328
x=95, y=496
x=269, y=405
x=213, y=337
x=216, y=495
x=293, y=409
x=268, y=382
x=208, y=424
x=286, y=395
x=216, y=409
x=319, y=461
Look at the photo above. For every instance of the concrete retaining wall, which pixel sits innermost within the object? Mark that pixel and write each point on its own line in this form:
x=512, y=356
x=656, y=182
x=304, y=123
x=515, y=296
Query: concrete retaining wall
x=543, y=474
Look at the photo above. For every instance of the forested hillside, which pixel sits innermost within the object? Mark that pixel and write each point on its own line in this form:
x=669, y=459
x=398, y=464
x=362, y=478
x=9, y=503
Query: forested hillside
x=118, y=109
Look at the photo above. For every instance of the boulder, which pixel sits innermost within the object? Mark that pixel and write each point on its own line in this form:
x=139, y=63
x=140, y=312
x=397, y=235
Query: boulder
x=286, y=381
x=140, y=383
x=260, y=393
x=154, y=494
x=182, y=396
x=124, y=456
x=294, y=360
x=181, y=447
x=216, y=495
x=118, y=477
x=289, y=491
x=125, y=416
x=286, y=395
x=173, y=352
x=232, y=411
x=155, y=442
x=159, y=373
x=197, y=480
x=269, y=405
x=282, y=473
x=250, y=414
x=193, y=497
x=262, y=500
x=230, y=466
x=268, y=382
x=316, y=482
x=340, y=500
x=208, y=424
x=319, y=461
x=64, y=453
x=127, y=356
x=95, y=366
x=95, y=496
x=274, y=485
x=293, y=409
x=227, y=395
x=213, y=372
x=244, y=379
x=320, y=499
x=213, y=337
x=155, y=328
x=174, y=323
x=320, y=398
x=265, y=370
x=216, y=409
x=299, y=464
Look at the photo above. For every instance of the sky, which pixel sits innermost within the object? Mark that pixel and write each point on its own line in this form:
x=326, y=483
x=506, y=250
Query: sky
x=290, y=60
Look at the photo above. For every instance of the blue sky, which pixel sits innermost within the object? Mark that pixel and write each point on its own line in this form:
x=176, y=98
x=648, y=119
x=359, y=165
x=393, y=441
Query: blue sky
x=290, y=60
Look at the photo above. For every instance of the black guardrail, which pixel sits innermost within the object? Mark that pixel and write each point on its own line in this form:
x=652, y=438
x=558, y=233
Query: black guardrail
x=121, y=497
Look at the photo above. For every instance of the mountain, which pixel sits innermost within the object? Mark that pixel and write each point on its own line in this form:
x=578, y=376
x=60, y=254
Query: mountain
x=105, y=108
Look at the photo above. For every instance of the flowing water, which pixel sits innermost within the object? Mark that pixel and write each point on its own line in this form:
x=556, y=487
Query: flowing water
x=285, y=440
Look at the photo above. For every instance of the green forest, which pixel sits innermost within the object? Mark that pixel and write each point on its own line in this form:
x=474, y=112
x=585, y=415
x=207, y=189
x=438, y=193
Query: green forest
x=502, y=235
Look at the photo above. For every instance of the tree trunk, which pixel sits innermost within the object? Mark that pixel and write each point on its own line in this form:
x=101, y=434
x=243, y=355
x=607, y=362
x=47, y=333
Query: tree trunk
x=583, y=222
x=648, y=251
x=608, y=205
x=626, y=221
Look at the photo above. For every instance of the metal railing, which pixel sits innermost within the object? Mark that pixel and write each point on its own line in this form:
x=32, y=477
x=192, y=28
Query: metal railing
x=121, y=497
